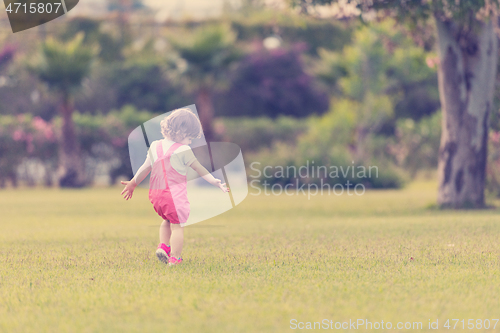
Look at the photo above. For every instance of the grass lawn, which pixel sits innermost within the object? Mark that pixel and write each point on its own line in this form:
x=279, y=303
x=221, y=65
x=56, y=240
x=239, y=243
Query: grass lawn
x=83, y=261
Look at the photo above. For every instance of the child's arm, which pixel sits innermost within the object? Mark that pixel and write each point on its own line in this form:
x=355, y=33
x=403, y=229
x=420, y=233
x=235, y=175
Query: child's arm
x=138, y=178
x=200, y=169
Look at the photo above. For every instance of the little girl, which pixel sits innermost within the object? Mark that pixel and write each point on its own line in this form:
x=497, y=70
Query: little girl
x=168, y=161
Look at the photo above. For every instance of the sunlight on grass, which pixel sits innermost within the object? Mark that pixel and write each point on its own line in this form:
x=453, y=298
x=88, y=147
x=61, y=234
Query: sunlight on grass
x=83, y=261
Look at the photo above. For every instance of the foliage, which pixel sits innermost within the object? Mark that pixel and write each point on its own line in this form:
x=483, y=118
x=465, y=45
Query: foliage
x=415, y=79
x=412, y=12
x=110, y=48
x=102, y=138
x=377, y=78
x=10, y=148
x=64, y=65
x=273, y=83
x=144, y=85
x=21, y=92
x=112, y=128
x=117, y=5
x=292, y=29
x=327, y=142
x=25, y=136
x=207, y=51
x=105, y=138
x=252, y=134
x=416, y=144
x=207, y=54
x=382, y=60
x=359, y=75
x=6, y=55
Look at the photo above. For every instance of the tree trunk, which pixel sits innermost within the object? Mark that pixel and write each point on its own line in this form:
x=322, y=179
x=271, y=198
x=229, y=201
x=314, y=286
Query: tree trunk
x=47, y=179
x=13, y=178
x=71, y=168
x=361, y=135
x=206, y=112
x=466, y=76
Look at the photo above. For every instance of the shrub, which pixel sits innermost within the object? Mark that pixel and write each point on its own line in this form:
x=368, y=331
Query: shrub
x=252, y=134
x=273, y=83
x=316, y=33
x=22, y=137
x=325, y=146
x=416, y=144
x=287, y=165
x=102, y=139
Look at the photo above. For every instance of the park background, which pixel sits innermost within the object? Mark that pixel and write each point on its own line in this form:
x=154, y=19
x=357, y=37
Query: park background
x=285, y=87
x=288, y=85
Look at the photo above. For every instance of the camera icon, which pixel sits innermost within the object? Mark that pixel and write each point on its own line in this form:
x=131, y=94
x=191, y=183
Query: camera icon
x=224, y=160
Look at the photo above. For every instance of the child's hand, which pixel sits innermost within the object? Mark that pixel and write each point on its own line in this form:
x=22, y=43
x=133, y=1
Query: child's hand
x=200, y=169
x=219, y=184
x=129, y=189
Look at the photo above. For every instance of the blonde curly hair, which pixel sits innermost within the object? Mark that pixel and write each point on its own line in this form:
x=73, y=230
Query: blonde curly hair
x=181, y=124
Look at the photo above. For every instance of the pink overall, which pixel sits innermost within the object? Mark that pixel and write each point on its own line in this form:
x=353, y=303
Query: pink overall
x=167, y=188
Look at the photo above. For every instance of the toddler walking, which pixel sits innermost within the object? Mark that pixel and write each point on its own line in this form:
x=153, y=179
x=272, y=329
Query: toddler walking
x=168, y=161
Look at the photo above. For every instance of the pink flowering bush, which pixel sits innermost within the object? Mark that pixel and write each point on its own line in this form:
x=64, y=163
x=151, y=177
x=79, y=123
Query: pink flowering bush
x=104, y=138
x=101, y=138
x=24, y=136
x=11, y=148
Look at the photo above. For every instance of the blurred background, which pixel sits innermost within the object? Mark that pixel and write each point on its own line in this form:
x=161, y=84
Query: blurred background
x=285, y=86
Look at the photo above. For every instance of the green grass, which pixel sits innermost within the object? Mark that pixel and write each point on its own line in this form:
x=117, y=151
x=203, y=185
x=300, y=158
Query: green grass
x=83, y=261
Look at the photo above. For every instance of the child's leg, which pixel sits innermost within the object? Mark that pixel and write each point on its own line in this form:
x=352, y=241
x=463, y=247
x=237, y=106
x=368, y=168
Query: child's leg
x=177, y=239
x=165, y=232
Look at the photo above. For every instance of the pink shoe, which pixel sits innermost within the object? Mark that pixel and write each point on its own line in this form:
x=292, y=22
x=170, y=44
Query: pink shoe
x=174, y=261
x=163, y=253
